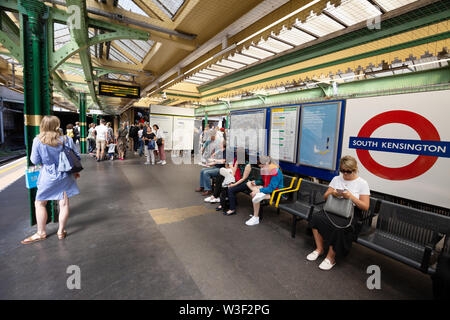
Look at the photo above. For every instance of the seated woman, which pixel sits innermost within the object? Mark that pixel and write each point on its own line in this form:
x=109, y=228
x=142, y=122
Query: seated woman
x=273, y=179
x=242, y=176
x=328, y=234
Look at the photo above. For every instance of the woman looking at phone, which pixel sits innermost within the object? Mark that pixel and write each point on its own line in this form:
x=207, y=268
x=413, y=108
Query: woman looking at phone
x=326, y=234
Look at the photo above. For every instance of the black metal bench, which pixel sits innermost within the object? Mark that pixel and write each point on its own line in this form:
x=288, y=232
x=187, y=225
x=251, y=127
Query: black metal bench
x=288, y=183
x=308, y=196
x=406, y=234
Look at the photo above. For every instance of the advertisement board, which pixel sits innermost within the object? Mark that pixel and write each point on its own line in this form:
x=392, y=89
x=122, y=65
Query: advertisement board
x=319, y=135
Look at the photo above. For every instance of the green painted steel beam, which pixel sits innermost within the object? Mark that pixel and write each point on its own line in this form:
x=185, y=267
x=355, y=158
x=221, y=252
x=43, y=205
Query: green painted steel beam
x=13, y=48
x=73, y=47
x=100, y=70
x=80, y=35
x=6, y=21
x=412, y=20
x=11, y=5
x=437, y=79
x=65, y=90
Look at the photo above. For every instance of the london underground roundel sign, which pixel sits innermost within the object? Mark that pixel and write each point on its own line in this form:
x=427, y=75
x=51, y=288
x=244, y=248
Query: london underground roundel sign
x=428, y=148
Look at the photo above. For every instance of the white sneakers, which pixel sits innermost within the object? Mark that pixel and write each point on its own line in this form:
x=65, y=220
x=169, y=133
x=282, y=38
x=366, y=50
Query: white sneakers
x=252, y=221
x=325, y=265
x=212, y=199
x=147, y=162
x=163, y=162
x=258, y=197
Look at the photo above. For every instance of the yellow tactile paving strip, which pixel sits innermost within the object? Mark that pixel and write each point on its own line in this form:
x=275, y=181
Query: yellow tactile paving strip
x=165, y=215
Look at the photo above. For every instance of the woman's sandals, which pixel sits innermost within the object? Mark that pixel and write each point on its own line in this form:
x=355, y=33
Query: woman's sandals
x=62, y=235
x=34, y=238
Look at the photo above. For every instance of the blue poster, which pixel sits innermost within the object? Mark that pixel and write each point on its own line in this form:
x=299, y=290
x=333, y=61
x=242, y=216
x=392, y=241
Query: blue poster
x=319, y=135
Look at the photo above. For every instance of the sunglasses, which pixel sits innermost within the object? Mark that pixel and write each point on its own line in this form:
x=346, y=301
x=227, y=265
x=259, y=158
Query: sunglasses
x=347, y=171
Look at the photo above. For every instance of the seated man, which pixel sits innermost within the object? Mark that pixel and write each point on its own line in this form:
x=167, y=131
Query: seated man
x=273, y=179
x=214, y=165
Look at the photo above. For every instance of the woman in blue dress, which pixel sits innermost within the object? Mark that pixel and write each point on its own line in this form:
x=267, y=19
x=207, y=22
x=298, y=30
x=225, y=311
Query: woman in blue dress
x=51, y=184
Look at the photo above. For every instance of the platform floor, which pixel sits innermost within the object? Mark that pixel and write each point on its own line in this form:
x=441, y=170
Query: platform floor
x=141, y=232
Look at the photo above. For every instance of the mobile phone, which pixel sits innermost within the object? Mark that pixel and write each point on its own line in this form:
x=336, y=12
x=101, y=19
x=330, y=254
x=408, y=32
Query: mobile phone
x=340, y=190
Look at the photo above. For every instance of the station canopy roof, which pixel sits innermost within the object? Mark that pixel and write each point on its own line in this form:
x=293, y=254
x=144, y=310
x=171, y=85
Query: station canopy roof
x=193, y=52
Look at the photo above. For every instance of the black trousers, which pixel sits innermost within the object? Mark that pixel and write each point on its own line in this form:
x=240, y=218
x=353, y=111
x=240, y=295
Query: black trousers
x=217, y=188
x=232, y=194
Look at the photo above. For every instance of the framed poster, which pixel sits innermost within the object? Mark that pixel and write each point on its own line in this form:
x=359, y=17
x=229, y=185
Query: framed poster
x=319, y=135
x=248, y=129
x=284, y=133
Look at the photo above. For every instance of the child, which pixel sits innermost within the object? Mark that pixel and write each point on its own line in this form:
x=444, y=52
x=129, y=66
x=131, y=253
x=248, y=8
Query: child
x=111, y=150
x=228, y=175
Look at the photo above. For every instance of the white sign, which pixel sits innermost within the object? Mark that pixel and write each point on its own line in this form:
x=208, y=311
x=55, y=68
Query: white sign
x=165, y=123
x=183, y=133
x=402, y=144
x=283, y=133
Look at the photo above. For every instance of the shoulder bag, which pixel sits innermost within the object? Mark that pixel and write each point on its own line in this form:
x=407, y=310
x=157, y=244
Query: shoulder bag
x=340, y=207
x=68, y=160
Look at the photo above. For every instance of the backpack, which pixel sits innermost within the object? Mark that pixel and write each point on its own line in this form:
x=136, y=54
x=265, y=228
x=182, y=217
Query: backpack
x=75, y=132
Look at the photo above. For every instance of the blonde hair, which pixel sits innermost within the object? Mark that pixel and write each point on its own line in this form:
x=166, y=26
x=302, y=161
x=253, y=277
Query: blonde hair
x=348, y=163
x=49, y=131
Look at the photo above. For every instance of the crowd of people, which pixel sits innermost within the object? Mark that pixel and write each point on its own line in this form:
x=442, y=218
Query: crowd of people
x=220, y=181
x=140, y=138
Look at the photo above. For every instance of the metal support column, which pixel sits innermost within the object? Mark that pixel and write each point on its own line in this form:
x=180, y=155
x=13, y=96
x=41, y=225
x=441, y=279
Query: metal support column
x=36, y=80
x=94, y=119
x=83, y=123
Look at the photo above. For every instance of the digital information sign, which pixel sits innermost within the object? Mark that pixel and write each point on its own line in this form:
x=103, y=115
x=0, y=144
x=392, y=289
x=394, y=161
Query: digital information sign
x=118, y=90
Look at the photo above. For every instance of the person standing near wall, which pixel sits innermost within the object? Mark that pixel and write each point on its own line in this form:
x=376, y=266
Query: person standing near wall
x=52, y=184
x=160, y=142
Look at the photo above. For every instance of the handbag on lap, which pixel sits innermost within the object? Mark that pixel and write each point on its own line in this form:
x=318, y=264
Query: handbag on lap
x=340, y=207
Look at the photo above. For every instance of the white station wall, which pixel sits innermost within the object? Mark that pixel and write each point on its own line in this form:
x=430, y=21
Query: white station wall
x=403, y=123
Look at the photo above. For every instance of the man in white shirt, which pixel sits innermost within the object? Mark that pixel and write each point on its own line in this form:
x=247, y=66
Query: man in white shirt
x=101, y=138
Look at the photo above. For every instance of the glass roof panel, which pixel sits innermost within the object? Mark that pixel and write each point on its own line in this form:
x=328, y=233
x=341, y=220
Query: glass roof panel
x=198, y=79
x=389, y=5
x=257, y=52
x=231, y=64
x=169, y=7
x=242, y=59
x=220, y=68
x=319, y=25
x=61, y=35
x=212, y=72
x=352, y=12
x=116, y=55
x=204, y=76
x=274, y=45
x=295, y=36
x=137, y=48
x=129, y=5
x=192, y=81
